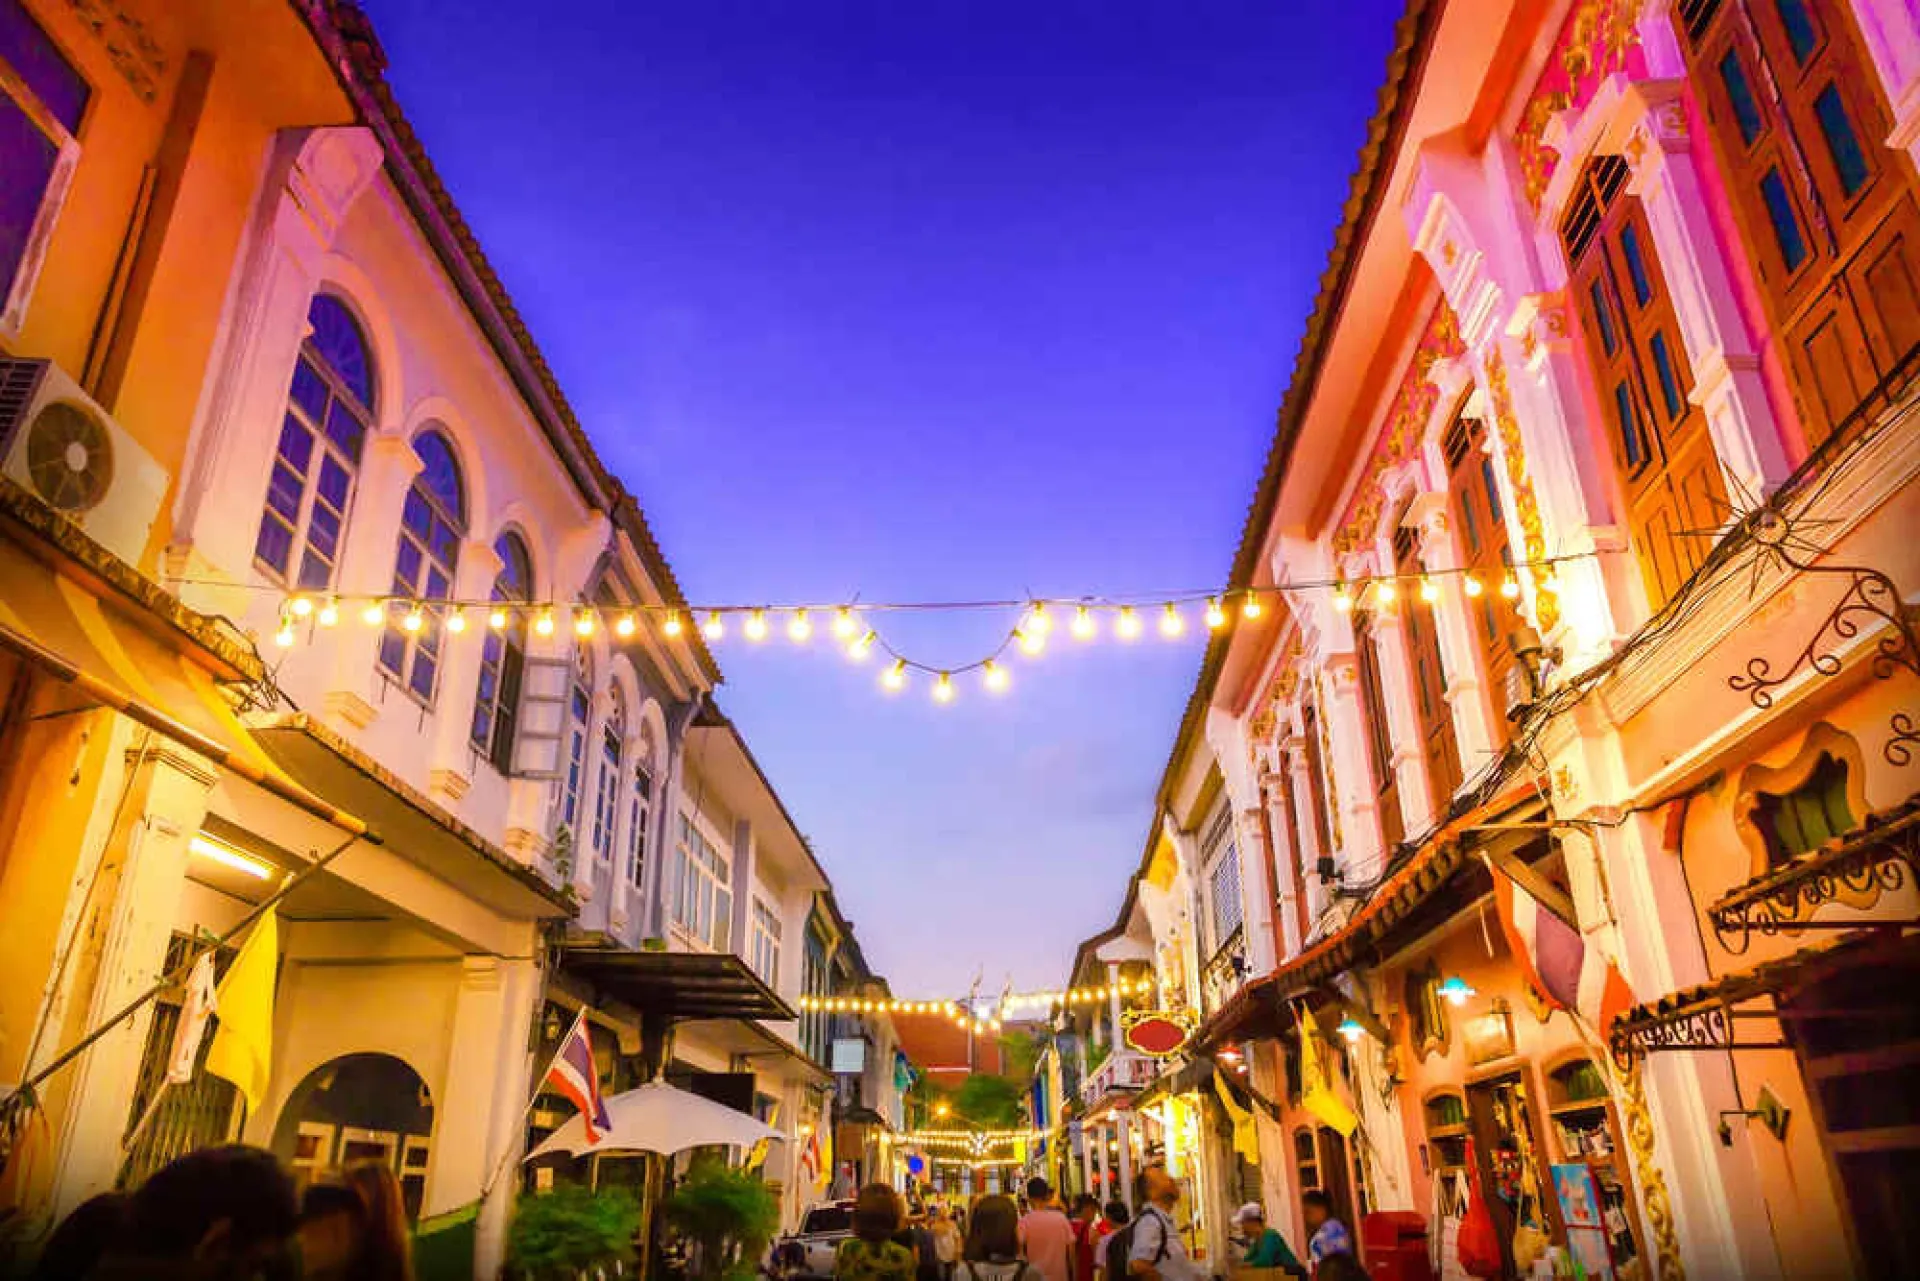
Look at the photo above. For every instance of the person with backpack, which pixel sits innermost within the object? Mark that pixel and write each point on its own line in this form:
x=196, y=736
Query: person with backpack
x=1113, y=1220
x=993, y=1244
x=1154, y=1249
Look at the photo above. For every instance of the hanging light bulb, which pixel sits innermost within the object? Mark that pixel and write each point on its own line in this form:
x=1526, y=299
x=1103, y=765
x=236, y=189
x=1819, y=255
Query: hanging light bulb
x=1250, y=606
x=859, y=650
x=329, y=613
x=1342, y=598
x=1084, y=628
x=544, y=623
x=673, y=626
x=284, y=636
x=1429, y=590
x=1351, y=1030
x=994, y=676
x=895, y=677
x=626, y=625
x=1385, y=591
x=1039, y=622
x=799, y=627
x=1171, y=624
x=1510, y=587
x=1471, y=586
x=497, y=618
x=713, y=628
x=756, y=628
x=300, y=606
x=1030, y=643
x=414, y=620
x=583, y=622
x=843, y=625
x=1127, y=626
x=943, y=688
x=374, y=614
x=1216, y=617
x=457, y=621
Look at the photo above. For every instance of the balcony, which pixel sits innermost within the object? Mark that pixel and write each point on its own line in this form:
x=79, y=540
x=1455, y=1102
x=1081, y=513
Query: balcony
x=1124, y=1072
x=1226, y=972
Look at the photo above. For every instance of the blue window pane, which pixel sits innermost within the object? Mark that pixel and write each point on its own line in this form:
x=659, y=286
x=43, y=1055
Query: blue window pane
x=37, y=61
x=316, y=572
x=346, y=431
x=1746, y=111
x=421, y=682
x=1669, y=379
x=415, y=517
x=1849, y=162
x=516, y=569
x=273, y=544
x=1802, y=38
x=337, y=338
x=406, y=571
x=1603, y=317
x=1636, y=265
x=334, y=482
x=393, y=651
x=1786, y=226
x=444, y=543
x=437, y=586
x=440, y=474
x=283, y=492
x=296, y=445
x=323, y=532
x=1629, y=425
x=309, y=392
x=1493, y=490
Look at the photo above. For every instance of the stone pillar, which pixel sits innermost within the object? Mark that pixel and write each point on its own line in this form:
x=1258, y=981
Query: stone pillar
x=1350, y=782
x=1727, y=383
x=1289, y=872
x=1300, y=779
x=520, y=986
x=121, y=952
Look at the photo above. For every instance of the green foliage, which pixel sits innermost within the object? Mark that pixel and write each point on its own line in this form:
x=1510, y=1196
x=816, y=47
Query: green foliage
x=729, y=1214
x=556, y=1234
x=1019, y=1053
x=988, y=1102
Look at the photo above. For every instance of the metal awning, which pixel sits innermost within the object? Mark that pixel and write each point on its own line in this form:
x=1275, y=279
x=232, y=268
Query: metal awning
x=680, y=986
x=1883, y=853
x=414, y=827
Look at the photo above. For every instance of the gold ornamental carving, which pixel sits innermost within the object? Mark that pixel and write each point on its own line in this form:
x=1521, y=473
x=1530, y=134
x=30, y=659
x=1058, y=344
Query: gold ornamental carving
x=1646, y=1168
x=1412, y=406
x=1526, y=507
x=1598, y=39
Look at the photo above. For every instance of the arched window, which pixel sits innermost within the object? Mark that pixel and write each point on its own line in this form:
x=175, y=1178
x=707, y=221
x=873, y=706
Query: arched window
x=579, y=711
x=640, y=809
x=606, y=786
x=329, y=410
x=432, y=523
x=1373, y=707
x=503, y=657
x=1486, y=551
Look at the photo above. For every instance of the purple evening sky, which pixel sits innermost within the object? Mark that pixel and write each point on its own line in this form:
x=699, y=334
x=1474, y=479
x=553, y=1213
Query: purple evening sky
x=928, y=300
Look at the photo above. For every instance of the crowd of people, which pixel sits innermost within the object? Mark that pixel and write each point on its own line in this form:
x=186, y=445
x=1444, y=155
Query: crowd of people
x=1038, y=1239
x=233, y=1214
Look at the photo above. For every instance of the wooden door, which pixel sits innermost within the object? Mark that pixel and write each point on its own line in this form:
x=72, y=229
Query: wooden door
x=1336, y=1180
x=1429, y=682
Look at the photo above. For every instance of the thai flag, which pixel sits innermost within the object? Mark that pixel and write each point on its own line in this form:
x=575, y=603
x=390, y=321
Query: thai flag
x=572, y=1075
x=1568, y=970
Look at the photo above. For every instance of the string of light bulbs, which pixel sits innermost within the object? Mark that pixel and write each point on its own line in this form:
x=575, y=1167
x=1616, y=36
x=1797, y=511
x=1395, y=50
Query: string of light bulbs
x=851, y=624
x=967, y=1012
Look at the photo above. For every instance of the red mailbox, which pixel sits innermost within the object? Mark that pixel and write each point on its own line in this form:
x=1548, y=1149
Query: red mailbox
x=1393, y=1246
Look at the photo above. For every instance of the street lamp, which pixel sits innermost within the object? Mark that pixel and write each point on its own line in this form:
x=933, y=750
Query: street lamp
x=941, y=1110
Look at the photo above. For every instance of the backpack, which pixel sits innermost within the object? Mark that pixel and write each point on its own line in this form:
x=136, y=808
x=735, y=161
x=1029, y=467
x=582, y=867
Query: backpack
x=1120, y=1247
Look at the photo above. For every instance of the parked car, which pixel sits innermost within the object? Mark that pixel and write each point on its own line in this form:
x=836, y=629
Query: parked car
x=808, y=1253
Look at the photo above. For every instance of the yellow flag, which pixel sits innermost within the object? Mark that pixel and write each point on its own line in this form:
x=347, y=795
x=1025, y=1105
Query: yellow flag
x=825, y=1179
x=1317, y=1094
x=242, y=1049
x=1246, y=1141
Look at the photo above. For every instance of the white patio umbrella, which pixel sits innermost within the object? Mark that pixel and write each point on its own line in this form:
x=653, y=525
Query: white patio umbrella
x=658, y=1117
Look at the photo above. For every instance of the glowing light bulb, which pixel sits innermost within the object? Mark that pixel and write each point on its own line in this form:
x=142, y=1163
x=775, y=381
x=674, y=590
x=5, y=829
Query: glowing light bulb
x=544, y=623
x=626, y=625
x=583, y=623
x=1351, y=1030
x=756, y=628
x=943, y=688
x=1250, y=606
x=414, y=620
x=457, y=621
x=859, y=650
x=329, y=613
x=1510, y=587
x=799, y=627
x=1030, y=643
x=673, y=626
x=284, y=637
x=1429, y=590
x=1127, y=626
x=843, y=625
x=1471, y=586
x=1342, y=598
x=1039, y=622
x=497, y=618
x=994, y=676
x=713, y=628
x=1216, y=617
x=1171, y=624
x=895, y=677
x=374, y=614
x=300, y=606
x=1084, y=628
x=1385, y=591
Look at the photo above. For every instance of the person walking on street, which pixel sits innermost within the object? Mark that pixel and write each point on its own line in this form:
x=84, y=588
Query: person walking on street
x=1046, y=1237
x=1328, y=1236
x=871, y=1253
x=1086, y=1223
x=1155, y=1251
x=993, y=1244
x=1266, y=1248
x=946, y=1241
x=1112, y=1219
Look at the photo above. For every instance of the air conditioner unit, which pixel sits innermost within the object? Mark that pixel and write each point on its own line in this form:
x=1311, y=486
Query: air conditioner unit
x=68, y=452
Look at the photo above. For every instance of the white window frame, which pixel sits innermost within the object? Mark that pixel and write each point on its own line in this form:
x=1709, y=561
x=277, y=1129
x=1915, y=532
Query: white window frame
x=639, y=819
x=606, y=792
x=13, y=308
x=764, y=929
x=702, y=903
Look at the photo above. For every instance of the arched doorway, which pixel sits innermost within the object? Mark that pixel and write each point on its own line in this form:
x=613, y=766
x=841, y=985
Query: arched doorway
x=359, y=1107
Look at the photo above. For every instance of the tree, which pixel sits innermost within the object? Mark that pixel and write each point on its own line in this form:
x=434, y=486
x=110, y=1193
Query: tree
x=988, y=1102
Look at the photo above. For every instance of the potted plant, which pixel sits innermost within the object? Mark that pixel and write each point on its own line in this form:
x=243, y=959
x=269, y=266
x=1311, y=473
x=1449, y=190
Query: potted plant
x=727, y=1215
x=559, y=1235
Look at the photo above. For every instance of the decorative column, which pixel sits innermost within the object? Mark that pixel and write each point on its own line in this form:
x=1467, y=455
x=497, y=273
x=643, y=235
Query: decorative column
x=1103, y=1135
x=1727, y=385
x=452, y=751
x=518, y=984
x=1288, y=869
x=1356, y=820
x=1300, y=779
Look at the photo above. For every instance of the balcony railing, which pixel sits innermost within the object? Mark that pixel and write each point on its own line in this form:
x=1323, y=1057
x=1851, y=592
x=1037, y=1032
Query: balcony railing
x=1124, y=1072
x=1226, y=972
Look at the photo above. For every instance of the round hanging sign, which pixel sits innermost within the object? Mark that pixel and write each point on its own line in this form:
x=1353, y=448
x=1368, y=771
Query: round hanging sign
x=1159, y=1033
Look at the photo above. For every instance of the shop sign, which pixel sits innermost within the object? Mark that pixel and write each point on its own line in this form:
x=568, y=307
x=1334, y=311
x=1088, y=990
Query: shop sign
x=1158, y=1033
x=1488, y=1037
